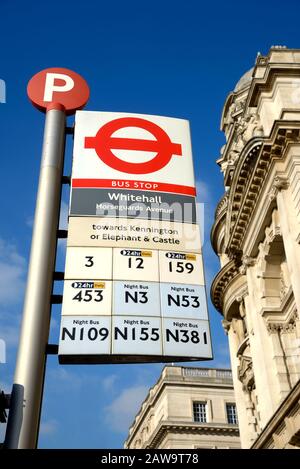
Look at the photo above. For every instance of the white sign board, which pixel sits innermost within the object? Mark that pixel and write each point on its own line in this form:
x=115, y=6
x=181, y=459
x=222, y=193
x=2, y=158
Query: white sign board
x=134, y=287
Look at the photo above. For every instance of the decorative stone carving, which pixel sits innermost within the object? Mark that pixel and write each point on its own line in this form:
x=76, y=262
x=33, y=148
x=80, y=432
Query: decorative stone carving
x=245, y=373
x=273, y=194
x=283, y=287
x=233, y=156
x=247, y=261
x=261, y=60
x=279, y=183
x=229, y=116
x=247, y=127
x=226, y=325
x=242, y=308
x=240, y=105
x=236, y=107
x=283, y=326
x=276, y=327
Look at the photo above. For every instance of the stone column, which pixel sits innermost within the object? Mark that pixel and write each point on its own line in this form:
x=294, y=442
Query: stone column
x=259, y=341
x=245, y=433
x=280, y=364
x=288, y=235
x=252, y=421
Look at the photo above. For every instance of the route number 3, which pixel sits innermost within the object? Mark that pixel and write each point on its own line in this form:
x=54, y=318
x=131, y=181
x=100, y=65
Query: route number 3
x=89, y=262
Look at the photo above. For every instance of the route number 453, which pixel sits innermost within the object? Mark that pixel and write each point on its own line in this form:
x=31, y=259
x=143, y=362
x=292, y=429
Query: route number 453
x=89, y=295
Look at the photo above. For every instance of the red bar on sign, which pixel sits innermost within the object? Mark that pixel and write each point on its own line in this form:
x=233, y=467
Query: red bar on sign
x=138, y=185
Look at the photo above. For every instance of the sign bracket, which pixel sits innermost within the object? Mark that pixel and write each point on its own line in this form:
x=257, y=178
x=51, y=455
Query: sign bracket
x=52, y=349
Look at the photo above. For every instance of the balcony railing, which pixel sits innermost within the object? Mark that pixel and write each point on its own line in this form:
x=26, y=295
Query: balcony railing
x=207, y=373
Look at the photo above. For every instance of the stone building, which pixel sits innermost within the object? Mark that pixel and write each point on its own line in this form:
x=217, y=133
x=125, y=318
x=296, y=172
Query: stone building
x=187, y=408
x=256, y=235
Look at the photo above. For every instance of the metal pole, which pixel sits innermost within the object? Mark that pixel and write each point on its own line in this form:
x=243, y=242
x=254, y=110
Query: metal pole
x=26, y=399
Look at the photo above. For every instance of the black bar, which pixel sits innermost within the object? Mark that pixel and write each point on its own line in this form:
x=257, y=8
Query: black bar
x=4, y=404
x=62, y=234
x=66, y=180
x=56, y=299
x=52, y=349
x=70, y=130
x=58, y=275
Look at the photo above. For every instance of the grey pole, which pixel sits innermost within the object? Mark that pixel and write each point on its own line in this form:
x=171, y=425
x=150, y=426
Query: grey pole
x=26, y=399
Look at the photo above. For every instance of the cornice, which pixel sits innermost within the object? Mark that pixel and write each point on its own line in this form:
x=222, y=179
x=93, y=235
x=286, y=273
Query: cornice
x=221, y=282
x=222, y=206
x=191, y=428
x=266, y=83
x=242, y=195
x=284, y=317
x=250, y=174
x=220, y=216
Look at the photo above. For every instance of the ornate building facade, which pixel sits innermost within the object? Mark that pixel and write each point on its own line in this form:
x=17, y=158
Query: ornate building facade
x=188, y=408
x=256, y=235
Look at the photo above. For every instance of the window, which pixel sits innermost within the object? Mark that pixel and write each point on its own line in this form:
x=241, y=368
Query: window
x=231, y=414
x=199, y=411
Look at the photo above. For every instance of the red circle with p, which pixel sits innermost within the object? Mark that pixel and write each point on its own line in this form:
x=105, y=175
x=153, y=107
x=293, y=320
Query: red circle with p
x=58, y=88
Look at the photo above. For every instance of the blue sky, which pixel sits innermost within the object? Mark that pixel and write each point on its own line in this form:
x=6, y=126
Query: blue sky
x=164, y=57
